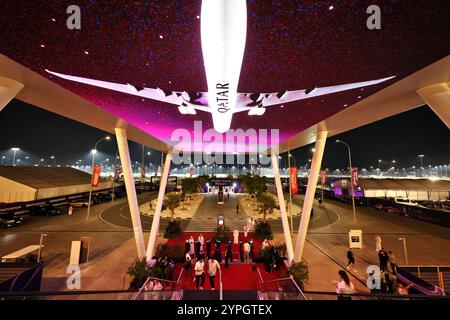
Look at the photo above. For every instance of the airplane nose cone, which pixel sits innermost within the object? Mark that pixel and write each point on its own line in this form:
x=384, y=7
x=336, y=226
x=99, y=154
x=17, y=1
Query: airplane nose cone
x=222, y=122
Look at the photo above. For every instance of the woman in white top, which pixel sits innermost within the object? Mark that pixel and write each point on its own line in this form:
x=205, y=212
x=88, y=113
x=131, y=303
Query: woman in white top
x=344, y=286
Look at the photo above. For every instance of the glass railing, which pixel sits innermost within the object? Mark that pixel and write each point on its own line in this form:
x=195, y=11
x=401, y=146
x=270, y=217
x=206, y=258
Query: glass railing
x=279, y=289
x=160, y=289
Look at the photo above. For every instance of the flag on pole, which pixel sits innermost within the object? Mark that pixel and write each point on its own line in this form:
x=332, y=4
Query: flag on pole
x=355, y=176
x=96, y=176
x=324, y=177
x=293, y=180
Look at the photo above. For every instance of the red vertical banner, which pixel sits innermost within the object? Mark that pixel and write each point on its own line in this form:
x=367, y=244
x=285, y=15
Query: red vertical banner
x=355, y=176
x=324, y=177
x=143, y=173
x=293, y=180
x=96, y=175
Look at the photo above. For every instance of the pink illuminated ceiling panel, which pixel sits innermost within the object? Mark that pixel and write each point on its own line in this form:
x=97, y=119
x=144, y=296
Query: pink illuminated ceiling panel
x=274, y=55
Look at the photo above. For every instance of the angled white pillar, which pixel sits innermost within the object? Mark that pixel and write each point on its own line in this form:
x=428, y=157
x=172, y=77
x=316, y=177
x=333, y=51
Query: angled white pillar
x=437, y=97
x=124, y=153
x=156, y=218
x=284, y=218
x=8, y=90
x=310, y=192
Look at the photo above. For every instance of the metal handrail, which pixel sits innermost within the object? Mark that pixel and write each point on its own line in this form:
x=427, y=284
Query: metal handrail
x=220, y=286
x=282, y=279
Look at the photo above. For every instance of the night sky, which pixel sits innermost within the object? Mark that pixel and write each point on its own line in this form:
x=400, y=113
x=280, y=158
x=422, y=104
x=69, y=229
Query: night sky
x=42, y=134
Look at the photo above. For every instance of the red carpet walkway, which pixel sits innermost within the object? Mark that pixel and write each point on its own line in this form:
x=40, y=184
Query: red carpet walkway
x=238, y=276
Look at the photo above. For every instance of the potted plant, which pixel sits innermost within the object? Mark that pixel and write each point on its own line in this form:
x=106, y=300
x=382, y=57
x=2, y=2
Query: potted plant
x=299, y=272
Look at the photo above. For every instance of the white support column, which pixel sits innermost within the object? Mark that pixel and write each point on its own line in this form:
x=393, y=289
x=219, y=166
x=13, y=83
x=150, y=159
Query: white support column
x=316, y=163
x=124, y=153
x=157, y=216
x=284, y=218
x=437, y=96
x=8, y=90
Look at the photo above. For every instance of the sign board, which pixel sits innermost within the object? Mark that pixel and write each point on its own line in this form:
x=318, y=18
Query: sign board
x=85, y=245
x=324, y=177
x=96, y=175
x=355, y=239
x=75, y=252
x=293, y=180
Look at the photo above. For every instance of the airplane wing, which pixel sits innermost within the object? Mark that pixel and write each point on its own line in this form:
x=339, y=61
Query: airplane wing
x=187, y=102
x=256, y=103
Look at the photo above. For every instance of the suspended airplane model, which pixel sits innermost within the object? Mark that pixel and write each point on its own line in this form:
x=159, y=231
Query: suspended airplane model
x=223, y=37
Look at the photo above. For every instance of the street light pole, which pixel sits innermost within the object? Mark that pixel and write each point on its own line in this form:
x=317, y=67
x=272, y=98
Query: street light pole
x=94, y=151
x=405, y=250
x=351, y=177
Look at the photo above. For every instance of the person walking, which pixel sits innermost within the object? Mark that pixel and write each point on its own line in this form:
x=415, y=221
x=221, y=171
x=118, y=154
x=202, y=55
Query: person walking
x=70, y=211
x=191, y=246
x=378, y=241
x=247, y=252
x=208, y=248
x=241, y=251
x=351, y=259
x=228, y=255
x=383, y=257
x=202, y=243
x=392, y=262
x=344, y=286
x=236, y=236
x=187, y=247
x=213, y=267
x=199, y=274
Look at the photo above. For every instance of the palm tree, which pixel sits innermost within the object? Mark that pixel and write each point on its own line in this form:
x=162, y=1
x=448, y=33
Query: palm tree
x=266, y=204
x=172, y=201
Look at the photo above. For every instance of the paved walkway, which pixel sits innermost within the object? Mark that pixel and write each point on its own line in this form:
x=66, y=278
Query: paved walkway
x=185, y=211
x=427, y=244
x=205, y=218
x=249, y=205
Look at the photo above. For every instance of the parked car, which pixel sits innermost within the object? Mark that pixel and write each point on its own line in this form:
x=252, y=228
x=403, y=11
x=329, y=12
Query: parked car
x=80, y=203
x=51, y=210
x=10, y=221
x=47, y=210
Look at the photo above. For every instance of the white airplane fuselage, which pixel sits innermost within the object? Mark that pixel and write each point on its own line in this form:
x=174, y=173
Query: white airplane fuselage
x=223, y=36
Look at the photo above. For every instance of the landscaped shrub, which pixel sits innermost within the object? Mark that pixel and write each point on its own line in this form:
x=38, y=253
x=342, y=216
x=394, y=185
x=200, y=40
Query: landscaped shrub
x=299, y=272
x=176, y=252
x=263, y=231
x=173, y=229
x=140, y=271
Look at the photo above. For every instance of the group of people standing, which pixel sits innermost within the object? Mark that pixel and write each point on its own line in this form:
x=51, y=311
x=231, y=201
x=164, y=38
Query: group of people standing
x=388, y=269
x=200, y=251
